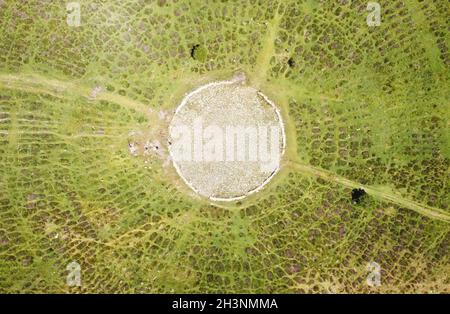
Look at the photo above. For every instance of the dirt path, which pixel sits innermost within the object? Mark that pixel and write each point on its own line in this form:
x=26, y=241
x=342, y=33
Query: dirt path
x=431, y=212
x=58, y=88
x=40, y=84
x=267, y=51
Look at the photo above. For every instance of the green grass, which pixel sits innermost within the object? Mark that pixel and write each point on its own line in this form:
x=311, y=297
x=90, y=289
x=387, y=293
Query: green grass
x=363, y=107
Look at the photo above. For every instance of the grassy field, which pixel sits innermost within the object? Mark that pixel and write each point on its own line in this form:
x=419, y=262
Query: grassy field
x=363, y=106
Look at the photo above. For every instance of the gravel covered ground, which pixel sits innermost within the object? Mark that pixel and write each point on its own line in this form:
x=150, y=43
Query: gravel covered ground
x=222, y=107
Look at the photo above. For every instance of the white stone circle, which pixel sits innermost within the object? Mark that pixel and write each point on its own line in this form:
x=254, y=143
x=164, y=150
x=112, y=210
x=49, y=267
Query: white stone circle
x=226, y=140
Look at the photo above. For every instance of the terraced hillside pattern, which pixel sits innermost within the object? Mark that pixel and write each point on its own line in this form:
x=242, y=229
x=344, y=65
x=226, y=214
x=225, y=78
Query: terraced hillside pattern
x=85, y=177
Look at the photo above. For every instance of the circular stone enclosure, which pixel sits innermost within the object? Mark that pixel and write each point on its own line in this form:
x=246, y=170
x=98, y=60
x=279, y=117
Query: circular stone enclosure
x=226, y=140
